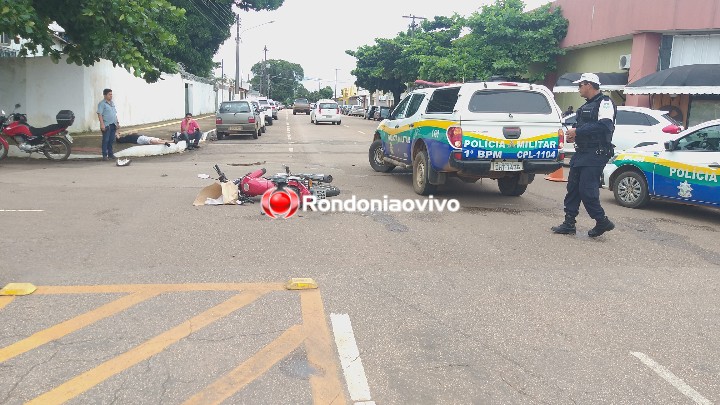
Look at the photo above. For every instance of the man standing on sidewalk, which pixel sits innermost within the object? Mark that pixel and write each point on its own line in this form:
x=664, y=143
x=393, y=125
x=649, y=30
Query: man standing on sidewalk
x=107, y=114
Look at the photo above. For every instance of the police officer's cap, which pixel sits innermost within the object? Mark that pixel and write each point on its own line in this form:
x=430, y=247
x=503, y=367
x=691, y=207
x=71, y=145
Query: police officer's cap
x=588, y=77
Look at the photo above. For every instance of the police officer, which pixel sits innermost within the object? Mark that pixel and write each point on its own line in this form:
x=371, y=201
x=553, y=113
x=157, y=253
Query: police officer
x=592, y=135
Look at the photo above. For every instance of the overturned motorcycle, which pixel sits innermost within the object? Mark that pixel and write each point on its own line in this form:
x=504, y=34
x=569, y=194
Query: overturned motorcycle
x=253, y=184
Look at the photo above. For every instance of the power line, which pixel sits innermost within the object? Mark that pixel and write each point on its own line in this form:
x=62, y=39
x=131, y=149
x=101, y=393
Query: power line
x=192, y=2
x=217, y=14
x=220, y=9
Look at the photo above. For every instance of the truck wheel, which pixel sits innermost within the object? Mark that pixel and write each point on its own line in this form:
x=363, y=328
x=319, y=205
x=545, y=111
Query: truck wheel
x=421, y=168
x=269, y=121
x=220, y=136
x=294, y=112
x=509, y=186
x=631, y=190
x=376, y=158
x=256, y=134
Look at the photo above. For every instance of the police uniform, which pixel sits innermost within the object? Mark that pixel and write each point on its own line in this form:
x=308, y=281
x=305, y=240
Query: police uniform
x=593, y=148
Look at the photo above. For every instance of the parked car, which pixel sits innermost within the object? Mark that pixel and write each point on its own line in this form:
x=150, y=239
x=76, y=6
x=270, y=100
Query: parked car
x=274, y=108
x=357, y=110
x=255, y=104
x=382, y=113
x=425, y=132
x=301, y=105
x=326, y=111
x=683, y=169
x=237, y=117
x=635, y=126
x=370, y=114
x=266, y=108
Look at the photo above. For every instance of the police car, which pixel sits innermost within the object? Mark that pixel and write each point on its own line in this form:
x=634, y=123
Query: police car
x=685, y=169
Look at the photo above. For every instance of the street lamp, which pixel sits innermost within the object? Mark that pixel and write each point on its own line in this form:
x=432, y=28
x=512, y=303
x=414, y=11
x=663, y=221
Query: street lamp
x=335, y=93
x=237, y=48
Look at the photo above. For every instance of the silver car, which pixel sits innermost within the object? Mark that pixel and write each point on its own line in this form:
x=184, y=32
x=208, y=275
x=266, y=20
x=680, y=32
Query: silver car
x=237, y=118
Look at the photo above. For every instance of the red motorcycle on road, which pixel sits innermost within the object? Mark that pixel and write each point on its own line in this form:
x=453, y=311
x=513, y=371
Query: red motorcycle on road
x=53, y=140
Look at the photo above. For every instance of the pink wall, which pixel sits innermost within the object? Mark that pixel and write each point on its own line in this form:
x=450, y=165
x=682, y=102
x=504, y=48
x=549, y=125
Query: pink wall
x=599, y=20
x=645, y=53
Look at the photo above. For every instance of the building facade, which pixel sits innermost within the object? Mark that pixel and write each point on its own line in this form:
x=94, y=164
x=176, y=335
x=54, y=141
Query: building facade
x=640, y=38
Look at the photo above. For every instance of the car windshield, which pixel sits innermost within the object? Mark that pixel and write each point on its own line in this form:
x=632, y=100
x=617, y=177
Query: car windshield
x=234, y=108
x=328, y=106
x=673, y=120
x=301, y=101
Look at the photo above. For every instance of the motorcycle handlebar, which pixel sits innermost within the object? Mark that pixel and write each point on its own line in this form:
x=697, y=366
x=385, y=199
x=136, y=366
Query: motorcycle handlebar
x=221, y=175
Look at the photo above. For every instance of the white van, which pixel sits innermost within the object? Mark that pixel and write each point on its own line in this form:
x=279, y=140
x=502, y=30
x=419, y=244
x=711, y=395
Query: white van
x=326, y=110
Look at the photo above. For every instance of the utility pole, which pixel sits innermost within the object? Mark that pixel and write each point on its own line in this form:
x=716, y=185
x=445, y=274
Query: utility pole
x=335, y=94
x=267, y=73
x=222, y=78
x=412, y=24
x=237, y=54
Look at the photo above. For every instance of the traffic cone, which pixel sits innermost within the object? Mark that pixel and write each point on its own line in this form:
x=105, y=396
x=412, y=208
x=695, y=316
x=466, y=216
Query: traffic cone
x=557, y=175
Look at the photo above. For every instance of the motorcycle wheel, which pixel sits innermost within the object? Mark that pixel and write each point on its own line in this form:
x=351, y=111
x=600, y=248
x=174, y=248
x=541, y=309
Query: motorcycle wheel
x=3, y=151
x=56, y=148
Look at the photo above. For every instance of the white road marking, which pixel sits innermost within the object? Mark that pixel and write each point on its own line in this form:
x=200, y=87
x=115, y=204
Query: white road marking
x=346, y=126
x=362, y=132
x=672, y=379
x=350, y=358
x=291, y=149
x=22, y=210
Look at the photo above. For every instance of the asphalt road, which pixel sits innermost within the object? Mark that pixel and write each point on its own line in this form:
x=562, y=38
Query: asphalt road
x=144, y=298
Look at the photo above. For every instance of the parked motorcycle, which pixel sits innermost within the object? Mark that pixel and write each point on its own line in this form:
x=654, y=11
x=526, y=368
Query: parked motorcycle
x=53, y=140
x=254, y=184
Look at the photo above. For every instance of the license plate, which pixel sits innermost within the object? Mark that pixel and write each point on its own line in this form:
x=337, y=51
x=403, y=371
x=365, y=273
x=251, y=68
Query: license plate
x=328, y=116
x=235, y=129
x=69, y=138
x=506, y=166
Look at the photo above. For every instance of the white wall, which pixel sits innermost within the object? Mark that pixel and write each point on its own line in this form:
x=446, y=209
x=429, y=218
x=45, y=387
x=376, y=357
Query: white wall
x=44, y=88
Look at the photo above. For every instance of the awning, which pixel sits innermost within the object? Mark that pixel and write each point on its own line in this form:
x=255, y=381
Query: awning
x=689, y=79
x=608, y=82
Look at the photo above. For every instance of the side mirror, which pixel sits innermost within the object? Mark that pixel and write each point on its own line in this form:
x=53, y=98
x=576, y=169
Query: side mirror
x=669, y=146
x=672, y=129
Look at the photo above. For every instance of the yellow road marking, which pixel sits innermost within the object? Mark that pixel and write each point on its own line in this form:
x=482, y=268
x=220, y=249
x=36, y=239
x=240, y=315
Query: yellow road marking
x=251, y=369
x=325, y=383
x=144, y=351
x=131, y=288
x=71, y=325
x=5, y=300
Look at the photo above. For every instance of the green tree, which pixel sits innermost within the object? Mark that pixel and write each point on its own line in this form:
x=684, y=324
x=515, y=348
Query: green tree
x=137, y=35
x=503, y=40
x=381, y=66
x=284, y=78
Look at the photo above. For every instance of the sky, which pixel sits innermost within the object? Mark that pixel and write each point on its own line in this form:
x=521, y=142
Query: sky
x=315, y=34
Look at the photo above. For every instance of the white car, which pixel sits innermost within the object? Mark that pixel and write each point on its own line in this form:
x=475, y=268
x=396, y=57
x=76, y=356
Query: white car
x=266, y=108
x=326, y=111
x=684, y=169
x=635, y=126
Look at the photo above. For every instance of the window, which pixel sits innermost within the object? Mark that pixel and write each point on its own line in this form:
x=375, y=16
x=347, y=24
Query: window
x=4, y=39
x=509, y=101
x=706, y=139
x=414, y=104
x=234, y=108
x=443, y=101
x=328, y=106
x=632, y=118
x=398, y=112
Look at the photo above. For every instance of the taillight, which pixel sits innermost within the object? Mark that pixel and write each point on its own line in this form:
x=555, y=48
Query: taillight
x=218, y=120
x=454, y=136
x=508, y=84
x=251, y=120
x=458, y=155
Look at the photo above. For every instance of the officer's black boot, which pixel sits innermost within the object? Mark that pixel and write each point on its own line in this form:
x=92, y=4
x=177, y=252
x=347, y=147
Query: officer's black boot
x=567, y=227
x=601, y=226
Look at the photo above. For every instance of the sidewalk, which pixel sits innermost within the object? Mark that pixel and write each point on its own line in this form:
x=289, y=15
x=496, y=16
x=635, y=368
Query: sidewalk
x=87, y=145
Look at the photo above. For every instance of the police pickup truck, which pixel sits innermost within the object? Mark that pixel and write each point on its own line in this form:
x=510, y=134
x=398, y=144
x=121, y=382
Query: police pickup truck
x=505, y=131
